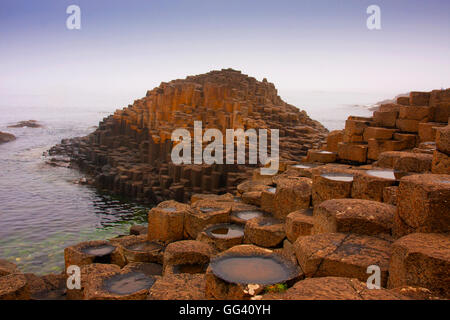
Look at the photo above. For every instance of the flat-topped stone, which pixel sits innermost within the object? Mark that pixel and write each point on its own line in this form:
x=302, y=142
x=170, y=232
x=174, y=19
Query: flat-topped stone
x=223, y=235
x=14, y=287
x=265, y=232
x=166, y=221
x=186, y=255
x=293, y=193
x=243, y=271
x=357, y=216
x=423, y=260
x=183, y=286
x=370, y=184
x=423, y=202
x=333, y=184
x=204, y=213
x=333, y=288
x=342, y=255
x=299, y=223
x=98, y=251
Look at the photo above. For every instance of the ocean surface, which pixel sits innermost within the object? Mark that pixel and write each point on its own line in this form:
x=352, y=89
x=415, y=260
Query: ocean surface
x=43, y=210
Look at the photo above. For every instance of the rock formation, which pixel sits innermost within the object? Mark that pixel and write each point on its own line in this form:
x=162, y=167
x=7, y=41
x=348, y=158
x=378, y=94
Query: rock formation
x=130, y=151
x=6, y=137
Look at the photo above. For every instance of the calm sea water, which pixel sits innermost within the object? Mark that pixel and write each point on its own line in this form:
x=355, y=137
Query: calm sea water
x=42, y=210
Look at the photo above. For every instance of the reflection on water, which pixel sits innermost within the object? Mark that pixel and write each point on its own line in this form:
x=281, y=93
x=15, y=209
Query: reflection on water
x=42, y=210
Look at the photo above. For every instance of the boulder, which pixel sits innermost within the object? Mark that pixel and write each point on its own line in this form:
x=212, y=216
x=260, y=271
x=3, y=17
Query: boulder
x=357, y=216
x=292, y=194
x=423, y=260
x=166, y=221
x=264, y=232
x=183, y=286
x=342, y=255
x=6, y=137
x=187, y=256
x=423, y=201
x=299, y=223
x=14, y=287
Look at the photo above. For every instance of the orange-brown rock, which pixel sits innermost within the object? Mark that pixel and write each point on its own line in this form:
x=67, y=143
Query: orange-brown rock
x=7, y=267
x=378, y=133
x=423, y=260
x=333, y=138
x=321, y=156
x=299, y=223
x=440, y=163
x=14, y=287
x=423, y=201
x=333, y=288
x=292, y=193
x=352, y=152
x=166, y=221
x=385, y=119
x=427, y=130
x=97, y=251
x=222, y=236
x=264, y=232
x=331, y=185
x=187, y=256
x=139, y=248
x=357, y=216
x=417, y=98
x=87, y=271
x=342, y=255
x=443, y=140
x=183, y=286
x=390, y=195
x=204, y=213
x=130, y=152
x=370, y=186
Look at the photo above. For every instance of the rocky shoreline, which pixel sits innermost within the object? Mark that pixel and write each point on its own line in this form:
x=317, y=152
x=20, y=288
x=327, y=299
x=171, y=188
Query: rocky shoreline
x=354, y=209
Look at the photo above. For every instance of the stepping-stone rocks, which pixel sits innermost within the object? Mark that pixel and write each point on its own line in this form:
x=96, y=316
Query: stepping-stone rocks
x=357, y=216
x=321, y=156
x=390, y=195
x=342, y=255
x=331, y=185
x=204, y=213
x=299, y=223
x=87, y=271
x=98, y=251
x=303, y=169
x=441, y=163
x=128, y=285
x=423, y=204
x=14, y=286
x=140, y=249
x=268, y=200
x=166, y=221
x=7, y=267
x=147, y=268
x=47, y=287
x=423, y=260
x=227, y=197
x=352, y=152
x=370, y=184
x=414, y=162
x=222, y=236
x=242, y=214
x=427, y=130
x=443, y=140
x=243, y=272
x=187, y=256
x=183, y=286
x=333, y=288
x=265, y=232
x=292, y=194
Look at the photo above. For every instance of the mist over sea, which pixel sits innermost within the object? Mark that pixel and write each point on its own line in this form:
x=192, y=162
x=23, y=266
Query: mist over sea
x=42, y=210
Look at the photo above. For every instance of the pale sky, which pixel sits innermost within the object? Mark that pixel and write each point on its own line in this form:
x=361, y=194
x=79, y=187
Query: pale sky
x=127, y=47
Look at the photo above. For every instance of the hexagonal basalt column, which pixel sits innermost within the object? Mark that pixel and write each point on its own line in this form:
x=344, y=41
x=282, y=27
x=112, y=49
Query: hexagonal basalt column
x=331, y=185
x=353, y=216
x=299, y=223
x=222, y=236
x=166, y=221
x=204, y=213
x=423, y=203
x=187, y=256
x=370, y=184
x=265, y=232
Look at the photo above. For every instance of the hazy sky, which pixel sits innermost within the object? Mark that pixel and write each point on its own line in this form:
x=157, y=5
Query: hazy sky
x=127, y=47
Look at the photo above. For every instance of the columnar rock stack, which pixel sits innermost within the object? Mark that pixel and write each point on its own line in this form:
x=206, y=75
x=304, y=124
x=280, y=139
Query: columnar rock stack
x=411, y=125
x=130, y=151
